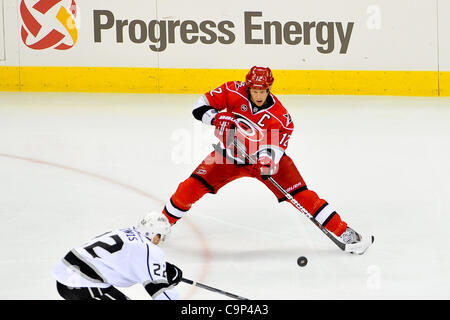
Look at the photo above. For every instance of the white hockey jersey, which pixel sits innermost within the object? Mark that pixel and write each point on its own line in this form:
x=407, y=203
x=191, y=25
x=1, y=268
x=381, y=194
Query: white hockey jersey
x=120, y=258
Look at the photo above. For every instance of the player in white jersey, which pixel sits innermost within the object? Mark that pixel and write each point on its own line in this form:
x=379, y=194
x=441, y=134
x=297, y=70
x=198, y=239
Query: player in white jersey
x=121, y=258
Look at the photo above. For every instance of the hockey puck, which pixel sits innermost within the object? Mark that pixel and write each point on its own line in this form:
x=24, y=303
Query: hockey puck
x=302, y=261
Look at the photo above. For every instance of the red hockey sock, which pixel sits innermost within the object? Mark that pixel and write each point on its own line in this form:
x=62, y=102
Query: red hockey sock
x=188, y=192
x=321, y=211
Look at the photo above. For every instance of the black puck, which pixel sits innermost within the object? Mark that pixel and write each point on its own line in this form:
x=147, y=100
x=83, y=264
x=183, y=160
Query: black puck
x=302, y=261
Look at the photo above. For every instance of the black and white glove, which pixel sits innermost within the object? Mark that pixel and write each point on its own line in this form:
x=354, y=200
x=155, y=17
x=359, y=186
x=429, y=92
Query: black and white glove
x=174, y=274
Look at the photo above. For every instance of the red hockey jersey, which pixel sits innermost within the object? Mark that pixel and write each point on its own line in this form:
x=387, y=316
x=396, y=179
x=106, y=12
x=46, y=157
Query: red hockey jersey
x=264, y=129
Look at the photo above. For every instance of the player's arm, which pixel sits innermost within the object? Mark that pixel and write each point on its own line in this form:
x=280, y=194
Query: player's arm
x=210, y=104
x=203, y=111
x=164, y=280
x=269, y=156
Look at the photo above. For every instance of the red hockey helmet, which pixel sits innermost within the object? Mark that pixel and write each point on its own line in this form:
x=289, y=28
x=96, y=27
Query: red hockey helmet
x=259, y=78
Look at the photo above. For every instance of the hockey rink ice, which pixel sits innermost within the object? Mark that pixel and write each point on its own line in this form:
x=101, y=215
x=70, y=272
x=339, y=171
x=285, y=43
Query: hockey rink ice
x=75, y=165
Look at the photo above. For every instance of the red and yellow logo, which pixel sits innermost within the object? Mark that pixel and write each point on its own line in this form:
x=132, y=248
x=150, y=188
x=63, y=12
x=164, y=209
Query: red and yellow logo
x=40, y=36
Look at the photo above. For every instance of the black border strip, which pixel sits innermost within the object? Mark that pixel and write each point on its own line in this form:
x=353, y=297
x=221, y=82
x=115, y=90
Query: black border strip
x=204, y=182
x=329, y=218
x=84, y=268
x=320, y=209
x=293, y=193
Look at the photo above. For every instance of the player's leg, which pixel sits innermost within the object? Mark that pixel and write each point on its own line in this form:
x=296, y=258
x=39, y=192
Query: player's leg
x=109, y=293
x=71, y=293
x=188, y=192
x=291, y=180
x=68, y=293
x=212, y=174
x=169, y=294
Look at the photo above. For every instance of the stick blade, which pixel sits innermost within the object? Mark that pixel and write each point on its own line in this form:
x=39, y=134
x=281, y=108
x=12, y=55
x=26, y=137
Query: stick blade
x=360, y=247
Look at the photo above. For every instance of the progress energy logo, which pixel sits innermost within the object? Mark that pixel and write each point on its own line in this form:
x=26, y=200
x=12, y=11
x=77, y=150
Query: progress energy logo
x=49, y=24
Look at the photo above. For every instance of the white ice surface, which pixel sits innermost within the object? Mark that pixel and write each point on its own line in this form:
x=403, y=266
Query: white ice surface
x=73, y=166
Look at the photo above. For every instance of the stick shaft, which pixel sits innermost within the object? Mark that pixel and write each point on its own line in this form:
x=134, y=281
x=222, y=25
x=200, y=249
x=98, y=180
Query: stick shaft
x=305, y=212
x=291, y=198
x=204, y=286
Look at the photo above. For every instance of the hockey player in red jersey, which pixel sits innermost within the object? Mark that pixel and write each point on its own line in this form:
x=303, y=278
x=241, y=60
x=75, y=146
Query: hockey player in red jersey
x=248, y=113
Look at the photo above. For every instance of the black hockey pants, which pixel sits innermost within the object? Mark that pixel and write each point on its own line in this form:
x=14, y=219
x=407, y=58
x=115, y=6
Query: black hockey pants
x=110, y=293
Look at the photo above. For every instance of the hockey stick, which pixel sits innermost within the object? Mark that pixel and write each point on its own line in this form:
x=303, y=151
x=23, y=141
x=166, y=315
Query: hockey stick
x=291, y=199
x=204, y=286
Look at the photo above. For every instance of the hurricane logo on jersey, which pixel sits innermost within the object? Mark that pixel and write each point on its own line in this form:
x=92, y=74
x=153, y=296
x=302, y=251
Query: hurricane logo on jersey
x=248, y=129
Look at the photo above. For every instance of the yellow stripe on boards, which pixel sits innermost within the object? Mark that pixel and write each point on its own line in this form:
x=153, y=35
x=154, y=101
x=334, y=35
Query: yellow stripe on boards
x=9, y=78
x=87, y=79
x=167, y=80
x=196, y=80
x=444, y=84
x=402, y=83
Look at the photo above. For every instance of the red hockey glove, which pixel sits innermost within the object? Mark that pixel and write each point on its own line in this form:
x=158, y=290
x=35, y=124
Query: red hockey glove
x=225, y=123
x=266, y=166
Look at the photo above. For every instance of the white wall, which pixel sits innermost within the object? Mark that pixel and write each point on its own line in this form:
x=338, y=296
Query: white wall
x=386, y=35
x=369, y=48
x=11, y=33
x=2, y=30
x=444, y=35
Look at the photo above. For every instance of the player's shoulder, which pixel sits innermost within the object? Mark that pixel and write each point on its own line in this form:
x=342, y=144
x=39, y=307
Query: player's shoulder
x=156, y=253
x=238, y=86
x=281, y=113
x=133, y=241
x=139, y=243
x=277, y=103
x=130, y=234
x=228, y=87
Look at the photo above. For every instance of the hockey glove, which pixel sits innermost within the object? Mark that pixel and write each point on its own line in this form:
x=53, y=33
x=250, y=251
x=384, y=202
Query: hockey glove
x=225, y=123
x=174, y=274
x=266, y=166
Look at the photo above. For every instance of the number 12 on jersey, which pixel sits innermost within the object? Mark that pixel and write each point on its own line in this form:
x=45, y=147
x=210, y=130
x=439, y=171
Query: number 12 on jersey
x=284, y=140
